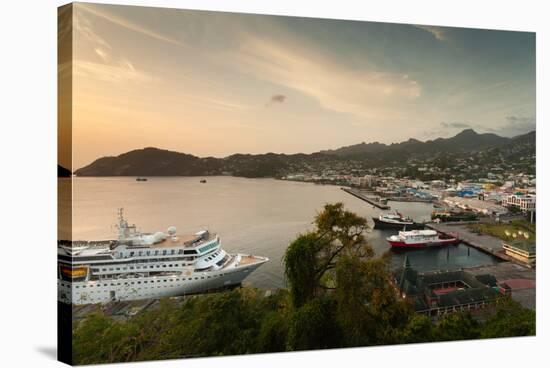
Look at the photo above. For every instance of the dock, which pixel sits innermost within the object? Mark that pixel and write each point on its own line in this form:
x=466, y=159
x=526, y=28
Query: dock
x=484, y=243
x=370, y=200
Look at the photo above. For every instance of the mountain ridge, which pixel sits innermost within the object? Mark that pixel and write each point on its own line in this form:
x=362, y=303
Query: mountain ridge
x=151, y=161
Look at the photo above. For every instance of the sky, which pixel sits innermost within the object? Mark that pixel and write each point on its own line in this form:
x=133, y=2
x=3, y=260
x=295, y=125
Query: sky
x=214, y=83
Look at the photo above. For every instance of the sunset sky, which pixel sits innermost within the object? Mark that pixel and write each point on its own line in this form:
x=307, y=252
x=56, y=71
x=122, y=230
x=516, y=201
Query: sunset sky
x=213, y=84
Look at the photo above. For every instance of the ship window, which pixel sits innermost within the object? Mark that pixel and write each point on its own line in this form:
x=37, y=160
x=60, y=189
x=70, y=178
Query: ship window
x=118, y=268
x=180, y=251
x=148, y=252
x=156, y=252
x=140, y=253
x=170, y=265
x=77, y=287
x=164, y=252
x=196, y=278
x=173, y=251
x=164, y=266
x=131, y=254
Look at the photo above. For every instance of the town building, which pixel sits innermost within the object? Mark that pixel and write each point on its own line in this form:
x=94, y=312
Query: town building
x=522, y=251
x=525, y=202
x=442, y=292
x=480, y=206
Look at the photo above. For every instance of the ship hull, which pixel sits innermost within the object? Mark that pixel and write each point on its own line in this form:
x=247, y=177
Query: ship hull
x=127, y=289
x=382, y=225
x=439, y=243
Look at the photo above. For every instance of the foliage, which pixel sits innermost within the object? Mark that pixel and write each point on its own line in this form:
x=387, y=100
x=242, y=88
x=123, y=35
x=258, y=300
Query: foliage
x=314, y=326
x=509, y=320
x=339, y=296
x=457, y=326
x=311, y=258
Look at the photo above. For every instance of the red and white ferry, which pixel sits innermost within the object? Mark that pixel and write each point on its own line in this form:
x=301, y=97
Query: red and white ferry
x=421, y=239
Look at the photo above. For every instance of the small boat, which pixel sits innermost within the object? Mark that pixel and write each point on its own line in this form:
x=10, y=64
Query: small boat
x=454, y=216
x=203, y=181
x=141, y=179
x=395, y=221
x=421, y=239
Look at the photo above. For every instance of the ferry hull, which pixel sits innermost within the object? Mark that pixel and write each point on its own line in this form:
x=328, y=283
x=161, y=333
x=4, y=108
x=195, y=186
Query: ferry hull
x=378, y=224
x=442, y=242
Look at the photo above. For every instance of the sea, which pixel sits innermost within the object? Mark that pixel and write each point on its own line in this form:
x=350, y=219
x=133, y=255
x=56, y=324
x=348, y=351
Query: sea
x=253, y=216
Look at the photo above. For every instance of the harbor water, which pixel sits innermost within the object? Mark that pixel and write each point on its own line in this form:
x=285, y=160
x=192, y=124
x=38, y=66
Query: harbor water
x=254, y=216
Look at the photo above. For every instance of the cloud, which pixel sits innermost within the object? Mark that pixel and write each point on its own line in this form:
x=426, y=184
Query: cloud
x=111, y=68
x=455, y=125
x=276, y=99
x=437, y=32
x=127, y=24
x=102, y=54
x=121, y=72
x=516, y=125
x=363, y=92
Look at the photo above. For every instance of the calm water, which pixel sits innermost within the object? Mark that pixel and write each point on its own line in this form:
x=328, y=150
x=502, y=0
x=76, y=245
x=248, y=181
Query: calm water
x=257, y=216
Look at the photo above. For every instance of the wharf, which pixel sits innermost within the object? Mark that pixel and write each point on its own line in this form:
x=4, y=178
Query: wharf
x=363, y=197
x=409, y=199
x=520, y=277
x=485, y=243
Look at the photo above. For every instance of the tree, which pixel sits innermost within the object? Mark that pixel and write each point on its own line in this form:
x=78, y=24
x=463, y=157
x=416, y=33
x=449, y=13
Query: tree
x=418, y=329
x=312, y=257
x=314, y=326
x=457, y=326
x=510, y=319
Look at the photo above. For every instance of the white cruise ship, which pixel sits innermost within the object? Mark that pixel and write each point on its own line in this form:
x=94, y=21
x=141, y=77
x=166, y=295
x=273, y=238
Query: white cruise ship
x=139, y=266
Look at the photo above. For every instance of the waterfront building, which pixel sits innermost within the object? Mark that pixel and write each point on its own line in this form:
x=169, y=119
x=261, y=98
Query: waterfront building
x=442, y=292
x=473, y=204
x=521, y=250
x=368, y=181
x=525, y=202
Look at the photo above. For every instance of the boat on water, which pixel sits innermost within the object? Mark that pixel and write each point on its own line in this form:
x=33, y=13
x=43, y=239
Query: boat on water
x=395, y=221
x=148, y=265
x=141, y=179
x=421, y=239
x=453, y=216
x=203, y=181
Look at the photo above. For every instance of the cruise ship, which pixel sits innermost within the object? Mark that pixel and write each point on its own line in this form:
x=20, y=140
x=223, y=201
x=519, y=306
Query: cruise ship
x=147, y=265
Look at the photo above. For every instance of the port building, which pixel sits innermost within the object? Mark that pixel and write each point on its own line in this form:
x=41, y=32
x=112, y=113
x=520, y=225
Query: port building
x=438, y=293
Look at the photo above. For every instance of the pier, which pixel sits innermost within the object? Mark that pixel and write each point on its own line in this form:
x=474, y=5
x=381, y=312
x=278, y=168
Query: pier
x=370, y=200
x=520, y=277
x=485, y=243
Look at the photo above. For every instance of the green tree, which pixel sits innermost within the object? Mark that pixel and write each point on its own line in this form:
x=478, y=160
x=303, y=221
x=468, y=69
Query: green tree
x=510, y=319
x=418, y=329
x=457, y=326
x=311, y=258
x=314, y=326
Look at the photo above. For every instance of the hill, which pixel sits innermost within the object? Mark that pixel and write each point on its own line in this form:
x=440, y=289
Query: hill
x=157, y=162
